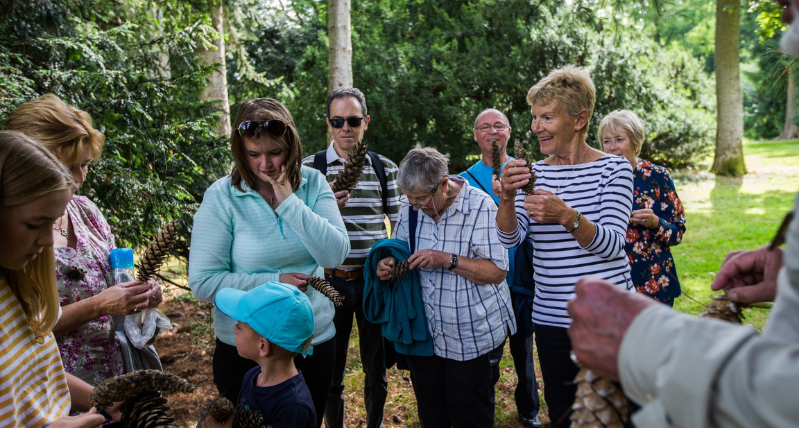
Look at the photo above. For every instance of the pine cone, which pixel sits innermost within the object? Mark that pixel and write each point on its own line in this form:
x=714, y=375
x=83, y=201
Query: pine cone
x=724, y=309
x=219, y=408
x=599, y=402
x=520, y=153
x=121, y=388
x=348, y=178
x=496, y=159
x=248, y=419
x=400, y=269
x=325, y=288
x=146, y=410
x=157, y=251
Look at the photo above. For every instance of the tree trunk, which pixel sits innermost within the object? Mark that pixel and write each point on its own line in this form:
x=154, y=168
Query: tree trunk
x=217, y=81
x=789, y=131
x=729, y=159
x=162, y=67
x=339, y=52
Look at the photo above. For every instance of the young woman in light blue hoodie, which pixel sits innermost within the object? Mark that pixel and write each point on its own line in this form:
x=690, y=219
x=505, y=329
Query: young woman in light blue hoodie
x=271, y=219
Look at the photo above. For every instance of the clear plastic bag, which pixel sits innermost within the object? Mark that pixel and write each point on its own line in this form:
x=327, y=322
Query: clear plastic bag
x=143, y=328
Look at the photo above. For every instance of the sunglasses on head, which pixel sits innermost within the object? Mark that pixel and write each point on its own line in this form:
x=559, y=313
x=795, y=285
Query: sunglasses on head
x=354, y=122
x=249, y=128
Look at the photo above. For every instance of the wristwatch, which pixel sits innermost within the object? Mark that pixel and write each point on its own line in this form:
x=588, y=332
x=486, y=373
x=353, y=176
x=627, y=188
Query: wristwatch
x=576, y=223
x=453, y=262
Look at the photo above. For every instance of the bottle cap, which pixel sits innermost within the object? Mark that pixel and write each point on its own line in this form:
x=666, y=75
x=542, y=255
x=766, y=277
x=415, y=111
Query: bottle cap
x=121, y=258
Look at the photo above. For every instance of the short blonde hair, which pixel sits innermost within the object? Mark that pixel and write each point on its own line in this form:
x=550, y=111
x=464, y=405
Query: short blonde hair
x=627, y=121
x=64, y=129
x=570, y=85
x=28, y=171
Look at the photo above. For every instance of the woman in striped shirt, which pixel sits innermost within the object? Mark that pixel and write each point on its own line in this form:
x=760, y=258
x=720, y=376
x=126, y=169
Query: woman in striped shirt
x=34, y=389
x=577, y=217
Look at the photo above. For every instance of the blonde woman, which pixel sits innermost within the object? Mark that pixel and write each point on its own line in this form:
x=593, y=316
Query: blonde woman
x=35, y=390
x=577, y=218
x=658, y=219
x=82, y=240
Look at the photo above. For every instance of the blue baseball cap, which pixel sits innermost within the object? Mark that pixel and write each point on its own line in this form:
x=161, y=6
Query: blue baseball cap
x=279, y=312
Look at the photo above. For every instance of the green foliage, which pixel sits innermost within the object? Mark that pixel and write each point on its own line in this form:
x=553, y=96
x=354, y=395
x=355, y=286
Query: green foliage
x=102, y=56
x=428, y=68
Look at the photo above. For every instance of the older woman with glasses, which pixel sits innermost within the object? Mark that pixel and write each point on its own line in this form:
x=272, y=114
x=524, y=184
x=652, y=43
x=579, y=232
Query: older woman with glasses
x=466, y=301
x=271, y=219
x=577, y=217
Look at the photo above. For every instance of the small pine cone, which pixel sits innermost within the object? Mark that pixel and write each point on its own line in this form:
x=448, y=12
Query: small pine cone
x=120, y=388
x=724, y=309
x=521, y=153
x=325, y=288
x=219, y=408
x=599, y=402
x=158, y=250
x=400, y=269
x=146, y=410
x=348, y=177
x=496, y=159
x=248, y=419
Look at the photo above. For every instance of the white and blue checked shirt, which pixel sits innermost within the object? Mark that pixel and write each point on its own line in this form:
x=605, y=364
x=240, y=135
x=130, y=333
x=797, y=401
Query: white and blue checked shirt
x=466, y=320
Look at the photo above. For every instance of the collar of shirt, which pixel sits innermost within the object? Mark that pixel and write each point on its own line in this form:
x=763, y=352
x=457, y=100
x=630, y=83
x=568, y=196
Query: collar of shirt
x=332, y=156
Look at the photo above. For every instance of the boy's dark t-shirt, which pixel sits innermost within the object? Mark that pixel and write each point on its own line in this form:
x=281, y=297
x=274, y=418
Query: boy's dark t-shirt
x=285, y=405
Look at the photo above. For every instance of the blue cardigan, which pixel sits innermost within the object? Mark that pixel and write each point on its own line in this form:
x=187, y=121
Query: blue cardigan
x=398, y=307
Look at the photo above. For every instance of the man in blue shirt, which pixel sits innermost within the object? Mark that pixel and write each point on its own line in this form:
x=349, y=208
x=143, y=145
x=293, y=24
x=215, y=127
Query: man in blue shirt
x=492, y=126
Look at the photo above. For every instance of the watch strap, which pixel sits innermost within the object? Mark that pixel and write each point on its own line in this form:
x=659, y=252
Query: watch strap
x=576, y=223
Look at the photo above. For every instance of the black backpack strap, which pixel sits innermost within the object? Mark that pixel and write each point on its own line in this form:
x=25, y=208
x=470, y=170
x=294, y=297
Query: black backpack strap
x=412, y=218
x=380, y=171
x=320, y=162
x=478, y=183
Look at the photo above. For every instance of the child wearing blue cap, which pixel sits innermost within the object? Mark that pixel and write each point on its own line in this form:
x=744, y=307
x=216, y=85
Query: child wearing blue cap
x=275, y=323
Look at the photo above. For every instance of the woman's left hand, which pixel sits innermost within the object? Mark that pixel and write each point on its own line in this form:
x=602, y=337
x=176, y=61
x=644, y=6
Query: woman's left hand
x=281, y=186
x=156, y=294
x=544, y=206
x=646, y=217
x=429, y=259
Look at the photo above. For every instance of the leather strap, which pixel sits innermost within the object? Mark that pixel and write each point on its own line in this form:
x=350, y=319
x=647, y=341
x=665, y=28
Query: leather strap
x=349, y=275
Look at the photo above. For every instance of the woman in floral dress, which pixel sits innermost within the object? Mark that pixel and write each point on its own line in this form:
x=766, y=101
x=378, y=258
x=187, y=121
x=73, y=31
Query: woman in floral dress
x=658, y=219
x=82, y=243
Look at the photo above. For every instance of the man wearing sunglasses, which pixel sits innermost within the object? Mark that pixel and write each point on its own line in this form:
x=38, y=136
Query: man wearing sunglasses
x=492, y=126
x=364, y=210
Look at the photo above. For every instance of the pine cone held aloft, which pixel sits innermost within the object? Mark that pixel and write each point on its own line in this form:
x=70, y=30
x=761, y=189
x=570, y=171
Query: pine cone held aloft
x=348, y=177
x=521, y=153
x=157, y=252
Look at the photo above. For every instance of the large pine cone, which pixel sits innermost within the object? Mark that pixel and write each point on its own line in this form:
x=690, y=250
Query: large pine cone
x=599, y=403
x=219, y=408
x=248, y=419
x=400, y=269
x=157, y=252
x=327, y=290
x=521, y=153
x=348, y=177
x=126, y=386
x=724, y=309
x=146, y=410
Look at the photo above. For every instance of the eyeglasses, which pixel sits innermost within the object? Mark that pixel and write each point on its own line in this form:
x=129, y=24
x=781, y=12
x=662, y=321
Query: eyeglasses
x=249, y=128
x=499, y=127
x=338, y=122
x=424, y=202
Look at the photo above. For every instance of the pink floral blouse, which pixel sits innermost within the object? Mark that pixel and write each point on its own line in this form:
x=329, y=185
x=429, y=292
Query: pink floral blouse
x=89, y=352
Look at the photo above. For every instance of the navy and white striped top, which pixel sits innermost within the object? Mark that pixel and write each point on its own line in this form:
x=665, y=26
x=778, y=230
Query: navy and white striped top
x=602, y=191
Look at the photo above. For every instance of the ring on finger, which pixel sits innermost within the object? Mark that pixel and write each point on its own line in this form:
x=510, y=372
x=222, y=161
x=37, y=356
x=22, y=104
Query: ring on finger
x=136, y=307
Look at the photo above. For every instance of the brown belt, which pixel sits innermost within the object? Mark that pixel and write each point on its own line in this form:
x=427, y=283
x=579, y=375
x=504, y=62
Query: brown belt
x=349, y=275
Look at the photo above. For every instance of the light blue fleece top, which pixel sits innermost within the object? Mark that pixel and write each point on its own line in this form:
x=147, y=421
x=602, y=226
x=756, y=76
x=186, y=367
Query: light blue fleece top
x=239, y=242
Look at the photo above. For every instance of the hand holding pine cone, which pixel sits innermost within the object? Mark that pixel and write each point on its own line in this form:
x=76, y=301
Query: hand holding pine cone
x=400, y=269
x=496, y=159
x=157, y=252
x=327, y=290
x=348, y=178
x=722, y=308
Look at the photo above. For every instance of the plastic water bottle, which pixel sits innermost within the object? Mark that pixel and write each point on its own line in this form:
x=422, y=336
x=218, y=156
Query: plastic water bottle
x=122, y=265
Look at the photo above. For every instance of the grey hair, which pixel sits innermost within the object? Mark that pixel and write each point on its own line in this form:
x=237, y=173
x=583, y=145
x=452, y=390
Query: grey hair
x=347, y=92
x=422, y=169
x=507, y=122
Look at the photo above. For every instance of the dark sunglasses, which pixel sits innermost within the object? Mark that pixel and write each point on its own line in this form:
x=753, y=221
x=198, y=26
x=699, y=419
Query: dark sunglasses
x=354, y=122
x=249, y=128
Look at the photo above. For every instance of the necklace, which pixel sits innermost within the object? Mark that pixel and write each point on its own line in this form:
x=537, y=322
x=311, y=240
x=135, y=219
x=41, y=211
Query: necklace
x=63, y=232
x=557, y=192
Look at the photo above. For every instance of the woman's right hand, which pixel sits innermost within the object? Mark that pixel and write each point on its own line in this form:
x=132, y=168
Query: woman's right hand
x=515, y=174
x=89, y=419
x=298, y=280
x=125, y=298
x=384, y=268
